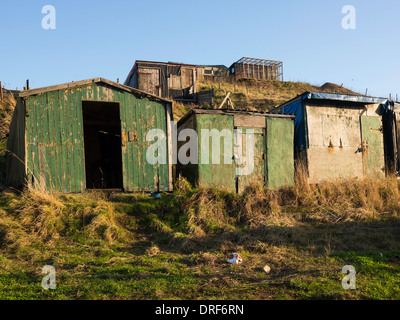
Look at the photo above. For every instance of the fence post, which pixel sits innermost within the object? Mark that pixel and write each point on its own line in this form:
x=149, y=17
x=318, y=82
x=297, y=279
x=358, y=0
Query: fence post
x=1, y=91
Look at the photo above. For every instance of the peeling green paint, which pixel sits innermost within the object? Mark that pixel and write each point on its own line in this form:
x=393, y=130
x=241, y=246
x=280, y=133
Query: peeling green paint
x=55, y=139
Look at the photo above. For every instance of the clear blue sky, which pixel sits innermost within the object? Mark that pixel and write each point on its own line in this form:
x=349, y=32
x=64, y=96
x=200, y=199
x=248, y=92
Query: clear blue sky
x=104, y=38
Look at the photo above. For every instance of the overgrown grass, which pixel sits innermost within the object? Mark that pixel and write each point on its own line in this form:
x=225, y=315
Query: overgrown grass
x=263, y=95
x=7, y=106
x=123, y=246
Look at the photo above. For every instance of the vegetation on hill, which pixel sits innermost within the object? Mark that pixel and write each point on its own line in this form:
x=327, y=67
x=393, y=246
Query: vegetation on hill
x=124, y=246
x=258, y=95
x=7, y=105
x=133, y=246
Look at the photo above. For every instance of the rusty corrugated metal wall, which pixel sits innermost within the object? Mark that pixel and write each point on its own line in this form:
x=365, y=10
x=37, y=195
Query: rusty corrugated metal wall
x=55, y=142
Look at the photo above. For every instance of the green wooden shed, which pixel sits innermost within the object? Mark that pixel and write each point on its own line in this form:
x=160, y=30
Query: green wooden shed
x=273, y=156
x=86, y=135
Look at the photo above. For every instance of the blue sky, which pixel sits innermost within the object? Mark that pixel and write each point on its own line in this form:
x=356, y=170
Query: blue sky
x=104, y=38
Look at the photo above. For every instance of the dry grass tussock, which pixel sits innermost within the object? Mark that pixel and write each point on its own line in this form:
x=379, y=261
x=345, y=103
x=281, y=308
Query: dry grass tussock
x=211, y=218
x=47, y=217
x=7, y=106
x=194, y=214
x=353, y=200
x=346, y=200
x=207, y=211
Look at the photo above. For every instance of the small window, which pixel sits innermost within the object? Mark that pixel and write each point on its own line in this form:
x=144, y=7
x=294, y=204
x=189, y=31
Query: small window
x=208, y=72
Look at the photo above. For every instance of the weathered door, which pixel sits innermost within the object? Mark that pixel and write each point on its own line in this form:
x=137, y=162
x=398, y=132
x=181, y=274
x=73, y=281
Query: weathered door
x=256, y=174
x=216, y=164
x=187, y=78
x=149, y=80
x=372, y=146
x=138, y=117
x=279, y=152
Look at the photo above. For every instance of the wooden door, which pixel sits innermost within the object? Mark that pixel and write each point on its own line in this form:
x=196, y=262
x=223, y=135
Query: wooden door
x=372, y=146
x=149, y=80
x=257, y=176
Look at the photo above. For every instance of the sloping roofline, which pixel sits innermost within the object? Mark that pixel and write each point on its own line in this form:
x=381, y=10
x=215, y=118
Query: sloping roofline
x=166, y=63
x=77, y=84
x=233, y=112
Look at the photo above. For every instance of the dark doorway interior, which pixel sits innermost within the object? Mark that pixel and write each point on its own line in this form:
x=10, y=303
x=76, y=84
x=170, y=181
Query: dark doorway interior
x=103, y=145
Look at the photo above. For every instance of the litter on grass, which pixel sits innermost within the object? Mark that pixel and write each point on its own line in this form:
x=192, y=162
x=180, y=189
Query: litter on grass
x=235, y=259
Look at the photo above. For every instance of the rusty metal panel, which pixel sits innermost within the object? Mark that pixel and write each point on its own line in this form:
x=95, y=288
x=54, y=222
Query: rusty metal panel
x=249, y=121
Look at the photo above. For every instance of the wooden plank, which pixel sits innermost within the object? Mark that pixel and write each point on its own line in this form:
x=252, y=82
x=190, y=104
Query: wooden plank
x=51, y=144
x=169, y=118
x=95, y=91
x=75, y=140
x=135, y=146
x=219, y=175
x=249, y=121
x=163, y=172
x=225, y=100
x=30, y=136
x=58, y=140
x=159, y=170
x=64, y=141
x=141, y=146
x=130, y=172
x=257, y=176
x=372, y=140
x=45, y=119
x=71, y=148
x=80, y=142
x=152, y=124
x=37, y=139
x=149, y=169
x=83, y=98
x=279, y=153
x=42, y=146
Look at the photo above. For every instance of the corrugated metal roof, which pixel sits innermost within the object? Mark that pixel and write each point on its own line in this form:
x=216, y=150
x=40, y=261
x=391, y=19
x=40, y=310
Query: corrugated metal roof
x=334, y=97
x=341, y=97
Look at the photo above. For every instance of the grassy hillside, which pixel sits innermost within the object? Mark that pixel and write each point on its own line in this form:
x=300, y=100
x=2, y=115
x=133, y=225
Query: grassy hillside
x=259, y=95
x=133, y=246
x=122, y=246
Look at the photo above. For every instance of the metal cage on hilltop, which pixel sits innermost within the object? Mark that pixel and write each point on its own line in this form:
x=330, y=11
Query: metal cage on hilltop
x=252, y=68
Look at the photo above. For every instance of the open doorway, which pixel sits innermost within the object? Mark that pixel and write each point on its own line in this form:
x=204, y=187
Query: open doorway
x=103, y=145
